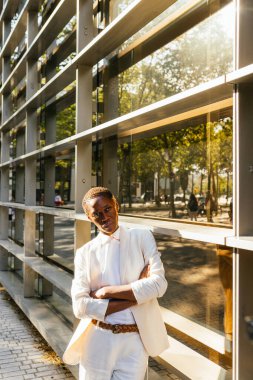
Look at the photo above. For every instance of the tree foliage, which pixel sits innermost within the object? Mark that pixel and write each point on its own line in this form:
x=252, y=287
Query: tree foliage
x=193, y=58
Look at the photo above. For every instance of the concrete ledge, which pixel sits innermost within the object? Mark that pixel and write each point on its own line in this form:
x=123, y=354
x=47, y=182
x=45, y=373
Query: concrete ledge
x=189, y=364
x=13, y=248
x=50, y=326
x=195, y=330
x=53, y=274
x=241, y=242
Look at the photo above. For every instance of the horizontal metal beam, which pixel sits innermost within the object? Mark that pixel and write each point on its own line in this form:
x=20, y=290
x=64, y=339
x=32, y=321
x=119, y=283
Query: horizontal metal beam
x=243, y=75
x=18, y=31
x=15, y=35
x=137, y=15
x=198, y=232
x=52, y=27
x=183, y=19
x=203, y=95
x=141, y=11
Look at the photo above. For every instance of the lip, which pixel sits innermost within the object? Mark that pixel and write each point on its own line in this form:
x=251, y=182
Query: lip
x=106, y=225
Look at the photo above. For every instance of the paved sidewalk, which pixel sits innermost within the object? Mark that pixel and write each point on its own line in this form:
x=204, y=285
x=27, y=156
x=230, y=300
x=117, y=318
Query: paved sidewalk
x=24, y=354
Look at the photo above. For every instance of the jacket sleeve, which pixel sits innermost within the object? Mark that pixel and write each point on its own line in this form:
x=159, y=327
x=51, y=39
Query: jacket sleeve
x=155, y=285
x=83, y=304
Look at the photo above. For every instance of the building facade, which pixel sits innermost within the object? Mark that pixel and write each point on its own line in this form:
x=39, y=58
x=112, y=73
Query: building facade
x=154, y=101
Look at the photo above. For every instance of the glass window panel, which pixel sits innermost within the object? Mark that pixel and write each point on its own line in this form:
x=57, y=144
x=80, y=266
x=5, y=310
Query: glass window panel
x=63, y=242
x=55, y=240
x=15, y=265
x=17, y=183
x=59, y=302
x=199, y=279
x=141, y=75
x=65, y=122
x=16, y=225
x=193, y=58
x=156, y=172
x=55, y=181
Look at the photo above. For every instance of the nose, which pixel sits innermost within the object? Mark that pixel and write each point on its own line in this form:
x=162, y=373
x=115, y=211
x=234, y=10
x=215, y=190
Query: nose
x=103, y=216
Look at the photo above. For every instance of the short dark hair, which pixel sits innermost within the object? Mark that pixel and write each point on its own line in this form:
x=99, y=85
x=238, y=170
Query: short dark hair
x=97, y=192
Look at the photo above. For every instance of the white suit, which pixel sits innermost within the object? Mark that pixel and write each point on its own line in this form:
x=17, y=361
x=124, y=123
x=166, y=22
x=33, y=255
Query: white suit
x=137, y=249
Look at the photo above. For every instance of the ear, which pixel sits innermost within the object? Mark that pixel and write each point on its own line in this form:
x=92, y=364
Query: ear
x=86, y=213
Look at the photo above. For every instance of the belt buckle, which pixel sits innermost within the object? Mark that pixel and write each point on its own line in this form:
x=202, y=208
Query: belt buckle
x=116, y=329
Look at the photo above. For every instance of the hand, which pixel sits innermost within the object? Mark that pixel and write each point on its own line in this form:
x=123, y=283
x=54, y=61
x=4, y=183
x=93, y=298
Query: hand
x=145, y=272
x=99, y=293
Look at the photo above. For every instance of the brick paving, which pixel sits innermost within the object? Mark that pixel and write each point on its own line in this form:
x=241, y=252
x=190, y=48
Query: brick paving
x=161, y=372
x=24, y=354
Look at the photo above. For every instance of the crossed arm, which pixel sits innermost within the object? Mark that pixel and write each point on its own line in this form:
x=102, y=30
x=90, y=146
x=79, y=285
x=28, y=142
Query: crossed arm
x=110, y=299
x=120, y=297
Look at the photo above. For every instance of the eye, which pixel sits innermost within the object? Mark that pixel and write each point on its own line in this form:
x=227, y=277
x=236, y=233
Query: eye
x=95, y=215
x=107, y=209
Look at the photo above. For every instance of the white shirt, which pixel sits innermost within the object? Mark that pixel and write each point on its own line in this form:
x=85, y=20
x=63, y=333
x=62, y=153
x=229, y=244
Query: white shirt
x=138, y=249
x=109, y=257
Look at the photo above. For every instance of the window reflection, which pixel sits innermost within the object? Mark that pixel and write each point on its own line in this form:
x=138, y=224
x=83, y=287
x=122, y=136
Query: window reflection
x=55, y=181
x=193, y=58
x=65, y=122
x=199, y=279
x=159, y=174
x=148, y=68
x=64, y=242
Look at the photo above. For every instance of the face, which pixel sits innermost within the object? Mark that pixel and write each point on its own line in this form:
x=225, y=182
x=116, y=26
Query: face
x=103, y=212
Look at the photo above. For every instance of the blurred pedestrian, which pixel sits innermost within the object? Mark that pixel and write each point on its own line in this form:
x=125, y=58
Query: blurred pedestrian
x=193, y=207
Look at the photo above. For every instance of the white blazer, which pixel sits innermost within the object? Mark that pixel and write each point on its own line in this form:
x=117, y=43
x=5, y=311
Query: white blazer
x=137, y=249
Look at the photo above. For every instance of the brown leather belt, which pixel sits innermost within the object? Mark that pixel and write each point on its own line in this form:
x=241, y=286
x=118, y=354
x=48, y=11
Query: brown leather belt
x=116, y=329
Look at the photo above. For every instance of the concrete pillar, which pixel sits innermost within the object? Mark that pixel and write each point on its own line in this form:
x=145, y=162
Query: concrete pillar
x=83, y=102
x=29, y=245
x=110, y=164
x=4, y=188
x=82, y=233
x=4, y=217
x=49, y=189
x=32, y=84
x=30, y=164
x=72, y=182
x=3, y=259
x=84, y=13
x=49, y=162
x=6, y=98
x=5, y=147
x=110, y=145
x=31, y=115
x=32, y=27
x=242, y=193
x=83, y=184
x=6, y=29
x=83, y=118
x=4, y=197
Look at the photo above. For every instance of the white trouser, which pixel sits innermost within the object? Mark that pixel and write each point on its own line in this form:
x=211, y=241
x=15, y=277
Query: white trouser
x=108, y=356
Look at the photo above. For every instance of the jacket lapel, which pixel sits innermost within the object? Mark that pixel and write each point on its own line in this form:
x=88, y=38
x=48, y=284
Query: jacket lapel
x=124, y=249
